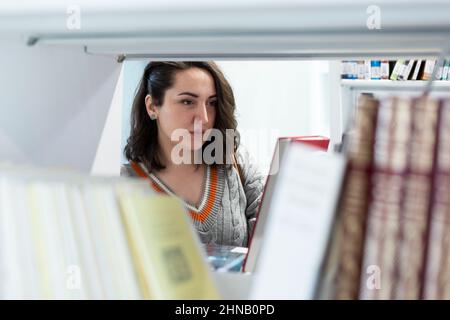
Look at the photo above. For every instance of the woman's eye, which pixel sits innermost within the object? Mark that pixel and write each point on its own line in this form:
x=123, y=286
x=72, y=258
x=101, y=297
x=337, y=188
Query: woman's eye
x=213, y=103
x=186, y=102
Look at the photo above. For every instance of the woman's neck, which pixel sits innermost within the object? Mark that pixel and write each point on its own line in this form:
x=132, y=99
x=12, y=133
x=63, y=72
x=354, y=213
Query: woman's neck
x=165, y=153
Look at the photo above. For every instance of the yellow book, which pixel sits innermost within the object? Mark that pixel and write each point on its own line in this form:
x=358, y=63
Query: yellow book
x=166, y=251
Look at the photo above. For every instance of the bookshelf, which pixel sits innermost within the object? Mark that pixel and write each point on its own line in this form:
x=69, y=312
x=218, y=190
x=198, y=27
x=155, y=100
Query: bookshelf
x=391, y=85
x=351, y=89
x=243, y=30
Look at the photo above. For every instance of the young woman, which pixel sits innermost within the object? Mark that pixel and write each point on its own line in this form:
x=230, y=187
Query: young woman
x=194, y=98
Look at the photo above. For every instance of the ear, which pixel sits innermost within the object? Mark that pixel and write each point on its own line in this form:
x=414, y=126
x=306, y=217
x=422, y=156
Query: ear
x=152, y=111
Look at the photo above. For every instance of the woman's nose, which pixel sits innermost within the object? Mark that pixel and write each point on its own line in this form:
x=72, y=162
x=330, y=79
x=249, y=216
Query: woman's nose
x=202, y=113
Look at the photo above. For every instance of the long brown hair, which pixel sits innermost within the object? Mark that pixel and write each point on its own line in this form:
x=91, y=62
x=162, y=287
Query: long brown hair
x=158, y=76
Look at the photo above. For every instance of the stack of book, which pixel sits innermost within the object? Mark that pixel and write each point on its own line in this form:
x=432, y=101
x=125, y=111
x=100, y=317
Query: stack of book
x=391, y=239
x=394, y=69
x=68, y=236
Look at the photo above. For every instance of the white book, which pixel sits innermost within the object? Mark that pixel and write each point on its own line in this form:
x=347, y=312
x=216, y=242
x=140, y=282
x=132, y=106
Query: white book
x=401, y=69
x=90, y=272
x=11, y=279
x=298, y=228
x=417, y=69
x=3, y=258
x=40, y=249
x=428, y=69
x=72, y=261
x=368, y=71
x=124, y=277
x=399, y=65
x=52, y=235
x=440, y=70
x=445, y=70
x=28, y=267
x=98, y=240
x=125, y=271
x=384, y=69
x=345, y=69
x=407, y=70
x=106, y=229
x=361, y=67
x=263, y=212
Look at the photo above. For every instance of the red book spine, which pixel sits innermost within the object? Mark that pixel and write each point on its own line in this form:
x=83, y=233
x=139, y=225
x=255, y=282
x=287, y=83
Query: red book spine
x=349, y=232
x=436, y=280
x=416, y=201
x=391, y=145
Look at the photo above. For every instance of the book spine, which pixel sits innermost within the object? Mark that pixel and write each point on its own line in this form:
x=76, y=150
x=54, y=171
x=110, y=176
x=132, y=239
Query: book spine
x=445, y=70
x=378, y=272
x=436, y=283
x=354, y=69
x=416, y=201
x=354, y=200
x=384, y=69
x=397, y=69
x=440, y=69
x=344, y=258
x=408, y=70
x=375, y=69
x=416, y=70
x=361, y=69
x=428, y=69
x=367, y=69
x=344, y=69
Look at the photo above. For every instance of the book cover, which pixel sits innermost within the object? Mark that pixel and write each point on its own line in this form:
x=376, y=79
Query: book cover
x=301, y=213
x=316, y=142
x=167, y=253
x=251, y=260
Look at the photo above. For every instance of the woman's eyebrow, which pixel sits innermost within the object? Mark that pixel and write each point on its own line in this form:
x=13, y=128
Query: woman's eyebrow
x=194, y=95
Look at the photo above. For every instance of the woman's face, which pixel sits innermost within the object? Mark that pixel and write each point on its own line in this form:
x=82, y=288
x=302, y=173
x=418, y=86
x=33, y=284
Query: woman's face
x=190, y=104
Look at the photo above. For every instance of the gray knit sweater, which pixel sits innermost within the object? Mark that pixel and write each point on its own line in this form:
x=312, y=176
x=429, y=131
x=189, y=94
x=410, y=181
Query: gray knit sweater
x=236, y=205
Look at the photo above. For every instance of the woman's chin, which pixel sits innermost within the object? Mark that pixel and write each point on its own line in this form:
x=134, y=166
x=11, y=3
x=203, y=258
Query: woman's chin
x=196, y=144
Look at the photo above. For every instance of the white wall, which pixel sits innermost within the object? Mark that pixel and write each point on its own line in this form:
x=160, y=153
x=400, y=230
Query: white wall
x=278, y=98
x=132, y=72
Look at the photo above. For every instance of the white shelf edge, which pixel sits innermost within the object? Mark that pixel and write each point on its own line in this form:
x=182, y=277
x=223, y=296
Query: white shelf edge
x=391, y=84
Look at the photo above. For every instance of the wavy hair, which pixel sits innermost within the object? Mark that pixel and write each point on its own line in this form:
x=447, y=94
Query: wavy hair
x=157, y=78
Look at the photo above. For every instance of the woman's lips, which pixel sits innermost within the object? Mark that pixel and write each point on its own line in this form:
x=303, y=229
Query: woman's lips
x=197, y=132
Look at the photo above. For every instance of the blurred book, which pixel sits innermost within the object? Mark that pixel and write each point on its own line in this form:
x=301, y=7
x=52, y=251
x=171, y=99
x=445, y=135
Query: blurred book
x=250, y=263
x=165, y=249
x=390, y=239
x=298, y=223
x=315, y=143
x=69, y=236
x=394, y=70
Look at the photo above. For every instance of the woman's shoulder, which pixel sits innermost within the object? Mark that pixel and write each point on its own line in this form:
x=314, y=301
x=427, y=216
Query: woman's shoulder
x=247, y=165
x=245, y=160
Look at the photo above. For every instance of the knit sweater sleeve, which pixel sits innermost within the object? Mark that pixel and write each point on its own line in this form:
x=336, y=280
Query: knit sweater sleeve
x=253, y=183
